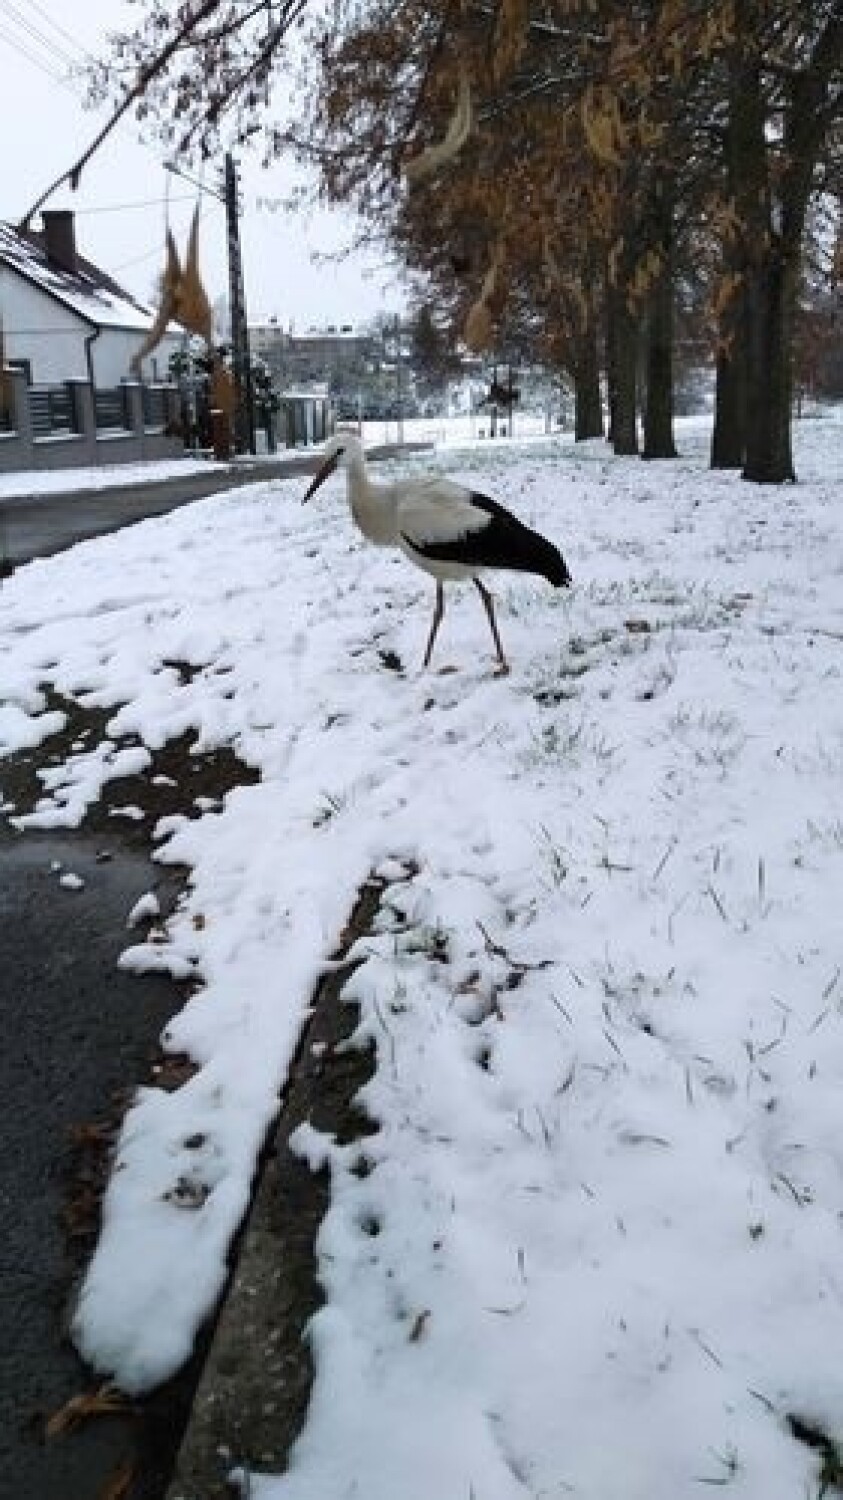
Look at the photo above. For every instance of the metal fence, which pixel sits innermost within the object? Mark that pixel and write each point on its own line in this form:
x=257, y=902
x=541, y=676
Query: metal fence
x=154, y=406
x=73, y=425
x=52, y=410
x=111, y=410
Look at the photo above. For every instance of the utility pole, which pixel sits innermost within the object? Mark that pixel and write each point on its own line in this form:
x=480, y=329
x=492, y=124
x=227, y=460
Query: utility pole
x=399, y=387
x=244, y=416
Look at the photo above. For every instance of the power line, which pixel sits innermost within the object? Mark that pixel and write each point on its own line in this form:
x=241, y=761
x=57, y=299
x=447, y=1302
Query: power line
x=14, y=15
x=37, y=62
x=65, y=82
x=149, y=254
x=113, y=208
x=54, y=25
x=137, y=260
x=170, y=166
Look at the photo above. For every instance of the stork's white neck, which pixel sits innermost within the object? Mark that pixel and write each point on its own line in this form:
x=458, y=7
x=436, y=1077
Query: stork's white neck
x=372, y=505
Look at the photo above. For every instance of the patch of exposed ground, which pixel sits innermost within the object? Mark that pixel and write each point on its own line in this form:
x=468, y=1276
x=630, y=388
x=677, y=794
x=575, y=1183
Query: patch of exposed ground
x=177, y=781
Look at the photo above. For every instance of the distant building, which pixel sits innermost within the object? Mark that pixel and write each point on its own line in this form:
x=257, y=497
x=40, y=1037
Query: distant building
x=325, y=356
x=62, y=318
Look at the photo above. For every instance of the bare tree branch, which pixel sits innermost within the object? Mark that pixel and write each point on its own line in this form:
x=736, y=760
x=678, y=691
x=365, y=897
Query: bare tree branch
x=145, y=77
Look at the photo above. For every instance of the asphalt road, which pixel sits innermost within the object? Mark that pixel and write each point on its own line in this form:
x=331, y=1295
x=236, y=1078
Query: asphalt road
x=76, y=1033
x=38, y=525
x=79, y=1037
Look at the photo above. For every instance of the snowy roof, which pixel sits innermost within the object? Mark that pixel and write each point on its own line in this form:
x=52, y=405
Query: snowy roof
x=89, y=292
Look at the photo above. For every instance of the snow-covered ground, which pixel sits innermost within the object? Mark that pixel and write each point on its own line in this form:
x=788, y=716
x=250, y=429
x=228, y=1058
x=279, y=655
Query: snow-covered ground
x=459, y=430
x=607, y=1180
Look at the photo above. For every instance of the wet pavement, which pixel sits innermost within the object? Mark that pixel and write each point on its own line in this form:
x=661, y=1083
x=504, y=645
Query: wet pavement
x=79, y=1037
x=78, y=1034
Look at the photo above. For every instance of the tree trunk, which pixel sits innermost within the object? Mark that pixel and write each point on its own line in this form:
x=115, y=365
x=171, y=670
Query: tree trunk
x=611, y=388
x=728, y=445
x=770, y=307
x=658, y=408
x=728, y=438
x=771, y=210
x=622, y=351
x=588, y=421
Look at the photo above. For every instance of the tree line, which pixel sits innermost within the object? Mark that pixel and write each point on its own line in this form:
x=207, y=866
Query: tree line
x=578, y=177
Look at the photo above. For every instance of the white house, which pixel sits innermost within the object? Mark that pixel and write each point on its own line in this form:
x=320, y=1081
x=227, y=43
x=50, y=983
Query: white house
x=62, y=318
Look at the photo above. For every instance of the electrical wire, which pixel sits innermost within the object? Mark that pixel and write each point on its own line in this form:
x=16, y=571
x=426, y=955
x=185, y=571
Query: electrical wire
x=113, y=208
x=22, y=48
x=150, y=254
x=37, y=62
x=12, y=14
x=55, y=26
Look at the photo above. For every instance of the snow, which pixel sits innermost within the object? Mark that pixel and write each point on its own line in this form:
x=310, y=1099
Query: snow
x=599, y=1249
x=459, y=431
x=145, y=909
x=23, y=483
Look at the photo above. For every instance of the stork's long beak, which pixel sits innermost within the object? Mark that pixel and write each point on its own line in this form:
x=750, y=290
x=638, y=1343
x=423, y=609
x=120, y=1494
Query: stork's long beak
x=321, y=475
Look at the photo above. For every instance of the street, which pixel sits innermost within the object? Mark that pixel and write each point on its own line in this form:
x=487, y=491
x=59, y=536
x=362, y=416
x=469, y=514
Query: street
x=81, y=1036
x=38, y=525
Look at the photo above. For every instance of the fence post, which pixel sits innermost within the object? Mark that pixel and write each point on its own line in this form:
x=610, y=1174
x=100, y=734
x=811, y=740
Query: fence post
x=82, y=396
x=21, y=414
x=172, y=406
x=135, y=427
x=16, y=445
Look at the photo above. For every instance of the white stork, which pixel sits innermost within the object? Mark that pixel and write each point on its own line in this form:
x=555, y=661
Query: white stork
x=451, y=532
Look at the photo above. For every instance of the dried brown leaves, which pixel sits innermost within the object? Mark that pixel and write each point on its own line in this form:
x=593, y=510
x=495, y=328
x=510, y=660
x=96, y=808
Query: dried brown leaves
x=106, y=1401
x=459, y=129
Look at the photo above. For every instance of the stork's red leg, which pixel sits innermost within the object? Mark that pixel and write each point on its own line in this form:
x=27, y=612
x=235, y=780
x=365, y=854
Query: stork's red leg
x=438, y=612
x=489, y=607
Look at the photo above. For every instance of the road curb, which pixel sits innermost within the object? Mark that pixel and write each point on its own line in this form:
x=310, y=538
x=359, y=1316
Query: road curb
x=251, y=1400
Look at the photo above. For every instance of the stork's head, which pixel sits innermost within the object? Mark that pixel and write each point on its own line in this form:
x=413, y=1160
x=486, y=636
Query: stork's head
x=340, y=451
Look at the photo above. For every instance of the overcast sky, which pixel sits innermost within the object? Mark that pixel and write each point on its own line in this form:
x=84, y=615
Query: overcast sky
x=120, y=200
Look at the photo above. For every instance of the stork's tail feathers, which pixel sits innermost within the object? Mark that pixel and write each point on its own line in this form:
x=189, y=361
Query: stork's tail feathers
x=548, y=561
x=508, y=543
x=555, y=569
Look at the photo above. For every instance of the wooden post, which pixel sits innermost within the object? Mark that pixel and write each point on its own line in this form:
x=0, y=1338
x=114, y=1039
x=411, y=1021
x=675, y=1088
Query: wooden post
x=244, y=423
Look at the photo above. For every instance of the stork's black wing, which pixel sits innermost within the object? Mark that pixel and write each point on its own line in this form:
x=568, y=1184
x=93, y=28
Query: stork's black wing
x=502, y=541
